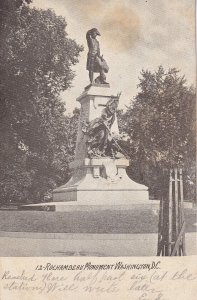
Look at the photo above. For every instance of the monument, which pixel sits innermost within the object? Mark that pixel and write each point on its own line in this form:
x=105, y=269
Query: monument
x=99, y=168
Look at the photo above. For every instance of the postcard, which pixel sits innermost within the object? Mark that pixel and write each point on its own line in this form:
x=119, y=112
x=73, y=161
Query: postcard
x=98, y=150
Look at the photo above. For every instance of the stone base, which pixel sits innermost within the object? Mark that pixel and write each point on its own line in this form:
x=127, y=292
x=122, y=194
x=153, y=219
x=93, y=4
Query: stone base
x=91, y=184
x=100, y=197
x=100, y=85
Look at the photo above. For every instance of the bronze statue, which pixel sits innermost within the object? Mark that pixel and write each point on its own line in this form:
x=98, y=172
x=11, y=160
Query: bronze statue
x=100, y=141
x=95, y=62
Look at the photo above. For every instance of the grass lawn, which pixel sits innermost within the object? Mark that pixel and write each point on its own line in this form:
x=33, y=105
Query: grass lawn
x=130, y=221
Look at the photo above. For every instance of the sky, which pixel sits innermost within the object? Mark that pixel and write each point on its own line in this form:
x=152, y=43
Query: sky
x=135, y=35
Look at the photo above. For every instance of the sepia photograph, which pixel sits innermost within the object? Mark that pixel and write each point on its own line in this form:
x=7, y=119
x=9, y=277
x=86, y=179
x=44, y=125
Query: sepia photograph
x=98, y=128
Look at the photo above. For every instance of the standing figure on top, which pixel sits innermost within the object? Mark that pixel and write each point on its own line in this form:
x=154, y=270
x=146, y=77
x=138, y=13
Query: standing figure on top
x=95, y=62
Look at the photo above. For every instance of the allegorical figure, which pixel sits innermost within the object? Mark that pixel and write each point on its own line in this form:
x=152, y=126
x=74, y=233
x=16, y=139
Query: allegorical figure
x=95, y=62
x=100, y=140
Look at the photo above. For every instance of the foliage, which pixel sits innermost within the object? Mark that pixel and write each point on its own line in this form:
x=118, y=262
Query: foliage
x=161, y=125
x=36, y=59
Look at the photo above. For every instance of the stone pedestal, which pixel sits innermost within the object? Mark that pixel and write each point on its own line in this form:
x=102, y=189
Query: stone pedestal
x=98, y=181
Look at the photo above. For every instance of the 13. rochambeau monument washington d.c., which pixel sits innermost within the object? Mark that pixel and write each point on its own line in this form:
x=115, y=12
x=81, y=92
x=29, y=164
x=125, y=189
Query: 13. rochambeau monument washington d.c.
x=99, y=168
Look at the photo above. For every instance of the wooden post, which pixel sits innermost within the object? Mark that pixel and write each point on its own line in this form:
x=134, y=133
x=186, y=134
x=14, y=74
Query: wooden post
x=176, y=246
x=171, y=235
x=176, y=203
x=160, y=225
x=182, y=210
x=170, y=215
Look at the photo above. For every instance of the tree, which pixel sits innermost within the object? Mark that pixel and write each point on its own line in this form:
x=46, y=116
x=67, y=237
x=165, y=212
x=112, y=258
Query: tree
x=36, y=59
x=161, y=125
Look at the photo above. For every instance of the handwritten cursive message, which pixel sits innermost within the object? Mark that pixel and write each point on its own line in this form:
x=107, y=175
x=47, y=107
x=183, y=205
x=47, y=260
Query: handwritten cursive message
x=138, y=281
